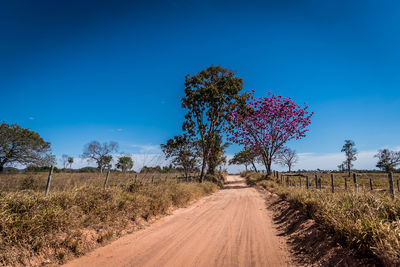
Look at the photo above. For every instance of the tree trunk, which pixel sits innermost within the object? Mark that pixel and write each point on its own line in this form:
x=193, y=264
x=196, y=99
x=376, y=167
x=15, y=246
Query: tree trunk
x=187, y=175
x=254, y=166
x=290, y=168
x=267, y=164
x=203, y=168
x=268, y=168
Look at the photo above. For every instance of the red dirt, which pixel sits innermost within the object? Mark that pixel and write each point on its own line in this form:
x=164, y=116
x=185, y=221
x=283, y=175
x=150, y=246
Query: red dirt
x=232, y=227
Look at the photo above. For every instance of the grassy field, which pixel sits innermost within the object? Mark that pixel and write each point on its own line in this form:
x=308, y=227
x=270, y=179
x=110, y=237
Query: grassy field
x=79, y=215
x=36, y=181
x=368, y=221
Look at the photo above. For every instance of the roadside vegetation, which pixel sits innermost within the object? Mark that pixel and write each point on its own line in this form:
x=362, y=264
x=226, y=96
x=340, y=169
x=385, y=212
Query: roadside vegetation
x=36, y=229
x=368, y=221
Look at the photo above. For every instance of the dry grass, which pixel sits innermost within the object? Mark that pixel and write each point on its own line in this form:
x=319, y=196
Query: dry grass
x=71, y=221
x=368, y=221
x=13, y=182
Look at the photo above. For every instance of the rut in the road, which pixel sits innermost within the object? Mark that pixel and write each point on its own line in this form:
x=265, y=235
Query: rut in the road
x=230, y=228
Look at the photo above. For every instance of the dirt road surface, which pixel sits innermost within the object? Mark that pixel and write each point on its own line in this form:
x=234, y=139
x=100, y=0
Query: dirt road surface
x=229, y=228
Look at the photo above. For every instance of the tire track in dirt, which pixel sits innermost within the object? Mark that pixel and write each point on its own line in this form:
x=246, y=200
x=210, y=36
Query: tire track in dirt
x=229, y=228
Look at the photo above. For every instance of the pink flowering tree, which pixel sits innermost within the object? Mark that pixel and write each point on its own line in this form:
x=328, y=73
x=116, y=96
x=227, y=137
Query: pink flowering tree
x=266, y=124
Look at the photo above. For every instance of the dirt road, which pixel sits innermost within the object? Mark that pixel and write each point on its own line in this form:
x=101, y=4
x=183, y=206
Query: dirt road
x=229, y=228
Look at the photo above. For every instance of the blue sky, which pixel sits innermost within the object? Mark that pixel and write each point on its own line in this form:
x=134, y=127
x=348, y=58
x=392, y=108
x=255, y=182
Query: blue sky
x=77, y=71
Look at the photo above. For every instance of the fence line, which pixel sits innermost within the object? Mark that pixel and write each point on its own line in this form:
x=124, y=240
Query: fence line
x=286, y=179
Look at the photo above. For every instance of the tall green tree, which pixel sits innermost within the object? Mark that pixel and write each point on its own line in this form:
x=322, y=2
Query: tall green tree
x=217, y=154
x=70, y=161
x=387, y=159
x=350, y=152
x=246, y=158
x=209, y=96
x=184, y=152
x=100, y=153
x=125, y=163
x=22, y=146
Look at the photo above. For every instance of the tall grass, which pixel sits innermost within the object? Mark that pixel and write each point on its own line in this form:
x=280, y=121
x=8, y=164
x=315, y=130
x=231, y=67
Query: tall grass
x=54, y=227
x=367, y=221
x=12, y=182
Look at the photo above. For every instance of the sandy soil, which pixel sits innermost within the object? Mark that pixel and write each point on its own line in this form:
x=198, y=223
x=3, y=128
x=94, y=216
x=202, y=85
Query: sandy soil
x=229, y=228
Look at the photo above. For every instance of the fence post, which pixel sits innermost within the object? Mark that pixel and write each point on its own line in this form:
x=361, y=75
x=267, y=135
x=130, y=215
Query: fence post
x=49, y=180
x=332, y=183
x=370, y=183
x=391, y=186
x=152, y=179
x=300, y=181
x=106, y=180
x=398, y=187
x=320, y=183
x=355, y=182
x=307, y=184
x=345, y=183
x=136, y=178
x=316, y=182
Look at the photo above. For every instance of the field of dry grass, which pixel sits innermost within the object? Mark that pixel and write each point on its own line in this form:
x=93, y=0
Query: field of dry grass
x=36, y=181
x=79, y=215
x=368, y=221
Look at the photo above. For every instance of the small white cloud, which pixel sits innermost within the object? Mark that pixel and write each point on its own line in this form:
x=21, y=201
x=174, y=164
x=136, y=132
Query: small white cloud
x=119, y=130
x=31, y=118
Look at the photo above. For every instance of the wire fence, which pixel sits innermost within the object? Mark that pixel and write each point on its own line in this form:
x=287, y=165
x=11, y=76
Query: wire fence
x=385, y=183
x=62, y=181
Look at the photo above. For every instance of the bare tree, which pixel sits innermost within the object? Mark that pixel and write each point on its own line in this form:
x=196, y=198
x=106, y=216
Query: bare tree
x=100, y=153
x=287, y=157
x=64, y=160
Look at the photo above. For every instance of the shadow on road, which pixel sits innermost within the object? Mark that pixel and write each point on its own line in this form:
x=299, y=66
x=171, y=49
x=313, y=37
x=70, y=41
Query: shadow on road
x=234, y=185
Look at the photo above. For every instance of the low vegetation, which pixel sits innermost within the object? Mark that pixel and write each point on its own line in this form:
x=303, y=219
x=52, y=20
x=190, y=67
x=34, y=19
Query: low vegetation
x=368, y=221
x=35, y=229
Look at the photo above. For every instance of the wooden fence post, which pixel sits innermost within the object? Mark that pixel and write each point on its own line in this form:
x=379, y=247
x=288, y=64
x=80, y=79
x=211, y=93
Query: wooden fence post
x=391, y=186
x=307, y=184
x=152, y=179
x=355, y=182
x=136, y=178
x=320, y=183
x=49, y=179
x=370, y=183
x=300, y=181
x=332, y=183
x=345, y=183
x=106, y=180
x=316, y=182
x=398, y=187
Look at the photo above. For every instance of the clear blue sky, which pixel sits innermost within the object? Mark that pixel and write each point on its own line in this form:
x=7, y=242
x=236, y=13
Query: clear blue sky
x=77, y=71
